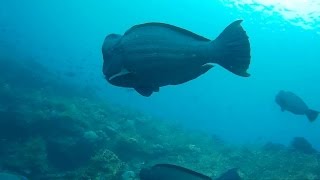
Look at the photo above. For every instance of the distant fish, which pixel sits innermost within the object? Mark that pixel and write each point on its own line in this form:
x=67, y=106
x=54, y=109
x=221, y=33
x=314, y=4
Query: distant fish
x=151, y=55
x=289, y=101
x=174, y=172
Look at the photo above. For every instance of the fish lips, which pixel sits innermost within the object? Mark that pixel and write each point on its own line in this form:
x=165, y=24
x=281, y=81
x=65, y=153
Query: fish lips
x=128, y=80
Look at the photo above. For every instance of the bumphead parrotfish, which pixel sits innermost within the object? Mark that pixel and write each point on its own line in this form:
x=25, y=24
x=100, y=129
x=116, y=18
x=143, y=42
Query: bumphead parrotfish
x=174, y=172
x=151, y=55
x=288, y=101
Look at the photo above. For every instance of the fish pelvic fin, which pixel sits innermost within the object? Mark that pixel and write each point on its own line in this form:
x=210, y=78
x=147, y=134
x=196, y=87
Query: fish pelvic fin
x=312, y=115
x=146, y=91
x=231, y=49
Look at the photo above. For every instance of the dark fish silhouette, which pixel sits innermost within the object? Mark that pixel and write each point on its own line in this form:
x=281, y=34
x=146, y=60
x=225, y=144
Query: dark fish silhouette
x=289, y=101
x=173, y=172
x=149, y=56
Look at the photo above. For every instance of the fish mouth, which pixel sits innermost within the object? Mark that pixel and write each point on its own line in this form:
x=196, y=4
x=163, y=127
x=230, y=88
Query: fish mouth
x=127, y=80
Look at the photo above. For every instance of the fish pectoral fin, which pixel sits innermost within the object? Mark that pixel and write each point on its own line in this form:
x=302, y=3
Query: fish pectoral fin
x=145, y=91
x=123, y=72
x=191, y=73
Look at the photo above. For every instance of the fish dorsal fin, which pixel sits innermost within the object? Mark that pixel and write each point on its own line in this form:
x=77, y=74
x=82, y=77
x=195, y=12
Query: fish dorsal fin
x=168, y=26
x=182, y=169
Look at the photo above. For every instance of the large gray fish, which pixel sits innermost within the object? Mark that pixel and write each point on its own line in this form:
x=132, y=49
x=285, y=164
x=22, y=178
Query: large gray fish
x=174, y=172
x=289, y=101
x=149, y=56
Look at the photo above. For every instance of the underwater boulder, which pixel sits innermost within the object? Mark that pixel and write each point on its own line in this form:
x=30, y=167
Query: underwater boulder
x=302, y=145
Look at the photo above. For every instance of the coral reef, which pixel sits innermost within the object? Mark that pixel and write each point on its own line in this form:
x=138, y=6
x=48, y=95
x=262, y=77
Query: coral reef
x=49, y=130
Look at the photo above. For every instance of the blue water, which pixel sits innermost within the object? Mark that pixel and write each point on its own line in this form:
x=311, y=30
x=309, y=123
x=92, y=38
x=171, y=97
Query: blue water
x=66, y=36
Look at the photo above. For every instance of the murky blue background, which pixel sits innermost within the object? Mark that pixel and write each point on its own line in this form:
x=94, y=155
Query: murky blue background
x=67, y=36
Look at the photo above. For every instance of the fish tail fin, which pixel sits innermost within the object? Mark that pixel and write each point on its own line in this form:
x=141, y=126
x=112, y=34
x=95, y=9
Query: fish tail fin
x=312, y=115
x=232, y=49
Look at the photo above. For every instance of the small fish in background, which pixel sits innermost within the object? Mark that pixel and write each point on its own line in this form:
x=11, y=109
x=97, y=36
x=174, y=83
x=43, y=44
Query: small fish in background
x=152, y=55
x=288, y=101
x=174, y=172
